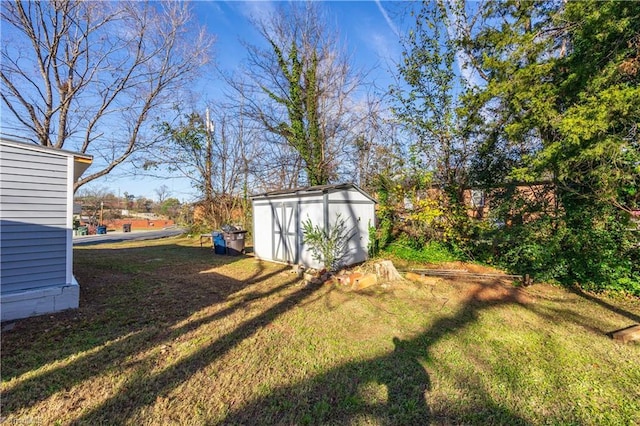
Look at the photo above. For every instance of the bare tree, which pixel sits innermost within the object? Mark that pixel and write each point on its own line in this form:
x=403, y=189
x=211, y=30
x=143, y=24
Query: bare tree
x=93, y=200
x=163, y=192
x=300, y=89
x=375, y=143
x=90, y=76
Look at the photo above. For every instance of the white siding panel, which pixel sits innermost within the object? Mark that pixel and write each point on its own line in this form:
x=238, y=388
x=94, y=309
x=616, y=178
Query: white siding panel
x=32, y=201
x=21, y=244
x=315, y=212
x=33, y=231
x=312, y=211
x=28, y=260
x=42, y=263
x=48, y=209
x=35, y=161
x=26, y=251
x=49, y=184
x=348, y=195
x=262, y=231
x=40, y=174
x=21, y=177
x=44, y=220
x=358, y=217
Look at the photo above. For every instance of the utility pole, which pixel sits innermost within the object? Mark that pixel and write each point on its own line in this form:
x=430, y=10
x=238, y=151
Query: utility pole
x=208, y=188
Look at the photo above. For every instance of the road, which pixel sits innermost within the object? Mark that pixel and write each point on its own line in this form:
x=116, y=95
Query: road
x=118, y=236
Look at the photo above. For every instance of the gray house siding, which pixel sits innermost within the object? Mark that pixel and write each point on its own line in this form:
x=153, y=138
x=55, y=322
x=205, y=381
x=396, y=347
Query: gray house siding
x=36, y=191
x=32, y=215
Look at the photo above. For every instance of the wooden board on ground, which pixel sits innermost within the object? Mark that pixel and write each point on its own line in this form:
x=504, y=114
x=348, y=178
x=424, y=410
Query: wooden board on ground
x=454, y=273
x=364, y=281
x=412, y=276
x=628, y=334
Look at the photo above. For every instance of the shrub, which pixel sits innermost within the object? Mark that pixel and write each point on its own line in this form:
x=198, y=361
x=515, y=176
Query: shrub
x=328, y=246
x=431, y=252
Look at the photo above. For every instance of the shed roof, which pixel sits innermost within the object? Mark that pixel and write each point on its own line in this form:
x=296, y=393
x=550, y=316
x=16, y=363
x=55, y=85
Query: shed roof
x=313, y=190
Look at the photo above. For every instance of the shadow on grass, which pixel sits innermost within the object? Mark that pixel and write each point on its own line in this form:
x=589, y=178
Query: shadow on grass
x=148, y=301
x=340, y=396
x=629, y=315
x=143, y=391
x=132, y=299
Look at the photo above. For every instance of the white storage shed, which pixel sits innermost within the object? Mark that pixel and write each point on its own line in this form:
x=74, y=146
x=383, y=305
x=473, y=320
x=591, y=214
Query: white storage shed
x=278, y=218
x=36, y=214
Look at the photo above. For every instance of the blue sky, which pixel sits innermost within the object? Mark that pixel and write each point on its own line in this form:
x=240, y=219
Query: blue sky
x=366, y=28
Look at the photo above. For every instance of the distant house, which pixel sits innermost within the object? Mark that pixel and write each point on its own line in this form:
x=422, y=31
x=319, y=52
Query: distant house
x=541, y=194
x=36, y=218
x=278, y=218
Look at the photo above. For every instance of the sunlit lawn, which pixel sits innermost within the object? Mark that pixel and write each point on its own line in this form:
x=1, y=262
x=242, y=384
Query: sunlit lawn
x=169, y=333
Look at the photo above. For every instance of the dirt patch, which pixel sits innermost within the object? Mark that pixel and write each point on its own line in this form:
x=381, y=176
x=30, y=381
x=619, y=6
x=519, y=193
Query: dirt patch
x=490, y=289
x=495, y=291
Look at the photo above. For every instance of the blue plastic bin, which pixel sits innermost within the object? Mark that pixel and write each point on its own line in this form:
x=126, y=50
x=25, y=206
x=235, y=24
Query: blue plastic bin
x=219, y=245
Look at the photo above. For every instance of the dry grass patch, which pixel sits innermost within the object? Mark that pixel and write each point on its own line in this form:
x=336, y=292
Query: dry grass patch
x=168, y=333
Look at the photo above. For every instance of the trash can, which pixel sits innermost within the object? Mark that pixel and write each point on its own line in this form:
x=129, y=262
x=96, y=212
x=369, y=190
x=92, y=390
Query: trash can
x=235, y=242
x=219, y=246
x=126, y=227
x=83, y=230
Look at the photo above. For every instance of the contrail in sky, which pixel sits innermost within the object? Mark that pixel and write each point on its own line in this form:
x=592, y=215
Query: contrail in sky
x=386, y=18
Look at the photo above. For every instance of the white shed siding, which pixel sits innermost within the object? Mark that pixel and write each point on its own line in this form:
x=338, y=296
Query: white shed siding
x=262, y=225
x=321, y=205
x=312, y=209
x=34, y=221
x=358, y=217
x=352, y=195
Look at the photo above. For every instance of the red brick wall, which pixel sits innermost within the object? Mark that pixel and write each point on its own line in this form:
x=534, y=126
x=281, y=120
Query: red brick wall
x=136, y=224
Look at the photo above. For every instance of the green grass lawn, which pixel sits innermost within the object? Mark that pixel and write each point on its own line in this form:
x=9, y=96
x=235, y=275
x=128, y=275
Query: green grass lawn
x=168, y=333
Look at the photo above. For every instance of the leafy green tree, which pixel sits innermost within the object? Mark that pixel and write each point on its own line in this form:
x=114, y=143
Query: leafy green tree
x=303, y=130
x=428, y=100
x=428, y=103
x=597, y=148
x=170, y=208
x=192, y=153
x=558, y=103
x=215, y=154
x=596, y=153
x=512, y=112
x=561, y=103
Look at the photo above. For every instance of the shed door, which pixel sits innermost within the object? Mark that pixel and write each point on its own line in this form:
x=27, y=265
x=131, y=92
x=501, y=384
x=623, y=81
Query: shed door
x=285, y=232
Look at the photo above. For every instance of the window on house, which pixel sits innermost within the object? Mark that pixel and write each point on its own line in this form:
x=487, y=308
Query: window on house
x=477, y=198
